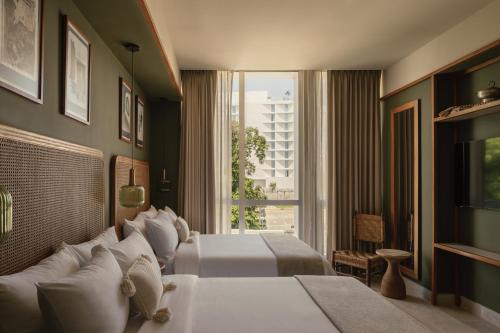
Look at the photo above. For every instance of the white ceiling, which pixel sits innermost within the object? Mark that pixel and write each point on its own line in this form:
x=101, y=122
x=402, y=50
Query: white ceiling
x=306, y=34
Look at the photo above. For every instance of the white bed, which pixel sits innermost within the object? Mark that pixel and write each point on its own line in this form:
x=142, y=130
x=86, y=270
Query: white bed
x=274, y=305
x=228, y=256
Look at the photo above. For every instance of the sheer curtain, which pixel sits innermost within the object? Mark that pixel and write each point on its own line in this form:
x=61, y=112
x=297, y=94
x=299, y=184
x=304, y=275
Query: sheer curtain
x=313, y=157
x=222, y=154
x=354, y=140
x=204, y=168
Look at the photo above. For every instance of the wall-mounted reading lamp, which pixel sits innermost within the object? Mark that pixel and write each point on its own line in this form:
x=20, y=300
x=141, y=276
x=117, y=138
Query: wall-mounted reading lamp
x=5, y=213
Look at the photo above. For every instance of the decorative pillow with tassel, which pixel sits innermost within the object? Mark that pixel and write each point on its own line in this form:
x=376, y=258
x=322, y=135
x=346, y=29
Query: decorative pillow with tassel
x=144, y=285
x=183, y=230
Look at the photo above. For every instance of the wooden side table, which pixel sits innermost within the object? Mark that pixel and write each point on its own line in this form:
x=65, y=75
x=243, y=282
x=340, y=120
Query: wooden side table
x=393, y=285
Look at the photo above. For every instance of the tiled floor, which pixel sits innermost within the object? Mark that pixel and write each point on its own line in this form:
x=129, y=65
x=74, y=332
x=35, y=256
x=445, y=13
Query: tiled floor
x=445, y=319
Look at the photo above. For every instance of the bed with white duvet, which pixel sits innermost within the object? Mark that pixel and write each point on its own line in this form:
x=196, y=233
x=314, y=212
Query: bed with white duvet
x=275, y=305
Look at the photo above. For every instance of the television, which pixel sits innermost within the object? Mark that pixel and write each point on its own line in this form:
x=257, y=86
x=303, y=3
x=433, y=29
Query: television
x=478, y=173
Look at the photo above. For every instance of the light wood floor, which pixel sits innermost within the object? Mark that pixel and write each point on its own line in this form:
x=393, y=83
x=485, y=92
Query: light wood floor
x=442, y=318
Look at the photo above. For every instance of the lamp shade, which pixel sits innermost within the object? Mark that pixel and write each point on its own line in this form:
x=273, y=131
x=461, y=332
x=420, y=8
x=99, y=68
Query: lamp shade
x=5, y=213
x=132, y=195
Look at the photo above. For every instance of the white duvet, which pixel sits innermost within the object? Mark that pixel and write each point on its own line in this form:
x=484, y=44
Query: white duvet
x=244, y=305
x=227, y=256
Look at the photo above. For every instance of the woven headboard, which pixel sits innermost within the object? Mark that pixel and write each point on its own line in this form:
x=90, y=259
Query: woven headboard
x=120, y=167
x=57, y=190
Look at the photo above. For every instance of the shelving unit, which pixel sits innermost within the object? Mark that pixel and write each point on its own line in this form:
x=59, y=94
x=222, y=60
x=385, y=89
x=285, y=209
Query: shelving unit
x=451, y=88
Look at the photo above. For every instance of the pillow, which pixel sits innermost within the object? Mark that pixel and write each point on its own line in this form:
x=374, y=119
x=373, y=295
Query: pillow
x=151, y=212
x=162, y=236
x=90, y=300
x=19, y=311
x=182, y=229
x=166, y=216
x=139, y=223
x=143, y=283
x=83, y=250
x=129, y=249
x=169, y=211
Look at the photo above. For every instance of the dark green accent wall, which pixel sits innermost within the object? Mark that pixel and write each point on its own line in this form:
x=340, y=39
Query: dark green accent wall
x=479, y=227
x=422, y=92
x=165, y=143
x=46, y=119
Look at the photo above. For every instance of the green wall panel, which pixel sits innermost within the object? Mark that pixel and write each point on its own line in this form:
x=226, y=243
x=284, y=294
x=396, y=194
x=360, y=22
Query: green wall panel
x=46, y=119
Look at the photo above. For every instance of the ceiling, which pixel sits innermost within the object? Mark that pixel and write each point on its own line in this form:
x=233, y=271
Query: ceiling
x=306, y=34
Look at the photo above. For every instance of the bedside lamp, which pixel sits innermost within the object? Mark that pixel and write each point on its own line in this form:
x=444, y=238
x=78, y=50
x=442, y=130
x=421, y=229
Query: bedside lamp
x=5, y=213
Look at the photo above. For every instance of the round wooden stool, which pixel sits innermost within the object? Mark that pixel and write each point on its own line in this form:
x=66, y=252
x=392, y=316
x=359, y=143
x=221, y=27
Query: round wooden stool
x=393, y=285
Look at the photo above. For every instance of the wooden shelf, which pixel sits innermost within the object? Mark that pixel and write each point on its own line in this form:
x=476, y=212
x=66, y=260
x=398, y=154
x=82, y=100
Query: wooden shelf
x=471, y=252
x=473, y=112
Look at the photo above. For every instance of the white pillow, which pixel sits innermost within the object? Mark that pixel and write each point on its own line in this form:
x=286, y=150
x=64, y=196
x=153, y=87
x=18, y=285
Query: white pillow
x=151, y=212
x=182, y=229
x=168, y=210
x=83, y=250
x=139, y=223
x=162, y=236
x=132, y=247
x=89, y=300
x=19, y=311
x=166, y=216
x=143, y=283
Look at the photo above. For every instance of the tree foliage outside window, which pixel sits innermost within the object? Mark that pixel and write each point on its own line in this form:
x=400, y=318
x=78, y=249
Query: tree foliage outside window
x=255, y=145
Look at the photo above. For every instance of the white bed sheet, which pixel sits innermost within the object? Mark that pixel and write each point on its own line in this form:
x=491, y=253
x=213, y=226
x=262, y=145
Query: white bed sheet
x=229, y=256
x=243, y=305
x=226, y=256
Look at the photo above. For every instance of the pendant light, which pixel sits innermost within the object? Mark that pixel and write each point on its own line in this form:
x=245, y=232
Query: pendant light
x=5, y=213
x=132, y=195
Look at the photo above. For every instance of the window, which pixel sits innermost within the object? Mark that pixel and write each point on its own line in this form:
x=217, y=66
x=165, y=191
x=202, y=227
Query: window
x=265, y=190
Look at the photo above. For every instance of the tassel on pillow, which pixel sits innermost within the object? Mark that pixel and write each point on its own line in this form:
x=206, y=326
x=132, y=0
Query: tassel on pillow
x=128, y=288
x=169, y=286
x=162, y=315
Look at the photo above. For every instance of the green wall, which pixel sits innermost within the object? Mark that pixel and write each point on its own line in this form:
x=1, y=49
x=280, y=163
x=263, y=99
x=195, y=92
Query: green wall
x=47, y=119
x=479, y=227
x=165, y=143
x=422, y=92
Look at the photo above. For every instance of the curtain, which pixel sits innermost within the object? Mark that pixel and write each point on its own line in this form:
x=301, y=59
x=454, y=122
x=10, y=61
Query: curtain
x=205, y=161
x=354, y=140
x=222, y=154
x=313, y=157
x=196, y=167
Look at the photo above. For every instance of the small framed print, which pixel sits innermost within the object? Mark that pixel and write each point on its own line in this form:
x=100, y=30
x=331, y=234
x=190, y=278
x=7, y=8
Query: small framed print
x=21, y=54
x=139, y=121
x=125, y=111
x=76, y=74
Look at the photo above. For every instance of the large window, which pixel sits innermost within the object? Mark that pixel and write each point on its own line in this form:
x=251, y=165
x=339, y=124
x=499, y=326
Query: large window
x=264, y=160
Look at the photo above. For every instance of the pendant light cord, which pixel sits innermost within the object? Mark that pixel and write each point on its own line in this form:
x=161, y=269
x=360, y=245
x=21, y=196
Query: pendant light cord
x=132, y=102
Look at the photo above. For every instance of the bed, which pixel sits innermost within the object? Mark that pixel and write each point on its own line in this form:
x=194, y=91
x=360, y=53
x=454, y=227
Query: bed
x=263, y=255
x=313, y=304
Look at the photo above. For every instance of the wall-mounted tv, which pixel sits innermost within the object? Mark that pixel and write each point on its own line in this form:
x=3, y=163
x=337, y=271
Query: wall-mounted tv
x=478, y=173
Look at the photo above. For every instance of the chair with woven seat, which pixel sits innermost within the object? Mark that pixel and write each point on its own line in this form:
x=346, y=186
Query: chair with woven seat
x=368, y=232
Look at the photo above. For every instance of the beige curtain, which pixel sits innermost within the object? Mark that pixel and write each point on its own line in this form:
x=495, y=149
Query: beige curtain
x=196, y=167
x=222, y=154
x=205, y=161
x=313, y=157
x=354, y=139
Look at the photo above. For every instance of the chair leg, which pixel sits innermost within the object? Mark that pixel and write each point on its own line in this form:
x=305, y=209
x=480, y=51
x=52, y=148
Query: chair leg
x=368, y=276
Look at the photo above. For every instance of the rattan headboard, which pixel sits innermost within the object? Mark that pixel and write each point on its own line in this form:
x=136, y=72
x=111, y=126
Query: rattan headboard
x=58, y=195
x=120, y=167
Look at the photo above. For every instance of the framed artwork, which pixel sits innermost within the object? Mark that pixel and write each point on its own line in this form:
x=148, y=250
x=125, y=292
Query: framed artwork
x=76, y=74
x=139, y=122
x=21, y=56
x=125, y=111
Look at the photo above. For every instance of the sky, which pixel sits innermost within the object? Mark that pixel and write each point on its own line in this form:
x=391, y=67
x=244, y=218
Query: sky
x=276, y=83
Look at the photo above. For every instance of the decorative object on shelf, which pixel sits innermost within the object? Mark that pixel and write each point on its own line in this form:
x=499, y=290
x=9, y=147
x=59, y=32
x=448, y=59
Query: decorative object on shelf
x=490, y=94
x=76, y=74
x=125, y=111
x=139, y=120
x=131, y=195
x=21, y=57
x=5, y=213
